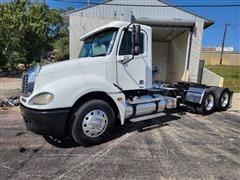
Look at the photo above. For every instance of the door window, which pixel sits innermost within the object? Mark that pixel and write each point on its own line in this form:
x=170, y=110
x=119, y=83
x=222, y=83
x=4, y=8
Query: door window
x=126, y=44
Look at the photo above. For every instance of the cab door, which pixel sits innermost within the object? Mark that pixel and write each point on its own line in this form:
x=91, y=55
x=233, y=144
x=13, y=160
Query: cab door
x=132, y=75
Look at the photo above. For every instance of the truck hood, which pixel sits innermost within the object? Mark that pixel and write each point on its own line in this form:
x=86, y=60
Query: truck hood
x=72, y=70
x=71, y=65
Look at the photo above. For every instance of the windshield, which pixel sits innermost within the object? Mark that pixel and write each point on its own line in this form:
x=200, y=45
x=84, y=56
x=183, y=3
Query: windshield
x=100, y=44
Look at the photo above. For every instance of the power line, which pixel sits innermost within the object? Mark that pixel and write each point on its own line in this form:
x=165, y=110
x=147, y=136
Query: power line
x=202, y=1
x=146, y=5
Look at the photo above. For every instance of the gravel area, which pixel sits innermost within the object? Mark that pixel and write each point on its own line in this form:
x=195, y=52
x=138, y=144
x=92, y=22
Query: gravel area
x=10, y=87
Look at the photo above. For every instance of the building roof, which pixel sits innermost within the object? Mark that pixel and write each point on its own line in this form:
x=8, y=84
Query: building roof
x=207, y=22
x=116, y=24
x=86, y=7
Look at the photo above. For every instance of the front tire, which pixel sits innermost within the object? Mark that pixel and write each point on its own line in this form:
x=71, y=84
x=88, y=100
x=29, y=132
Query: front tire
x=93, y=122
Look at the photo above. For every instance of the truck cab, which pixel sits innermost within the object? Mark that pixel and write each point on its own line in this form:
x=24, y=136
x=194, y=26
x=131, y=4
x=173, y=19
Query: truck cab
x=84, y=99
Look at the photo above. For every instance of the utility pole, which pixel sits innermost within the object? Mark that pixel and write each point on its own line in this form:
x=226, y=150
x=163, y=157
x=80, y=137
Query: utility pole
x=88, y=1
x=223, y=42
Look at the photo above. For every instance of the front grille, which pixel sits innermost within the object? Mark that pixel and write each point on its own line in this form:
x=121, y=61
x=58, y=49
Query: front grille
x=28, y=80
x=25, y=85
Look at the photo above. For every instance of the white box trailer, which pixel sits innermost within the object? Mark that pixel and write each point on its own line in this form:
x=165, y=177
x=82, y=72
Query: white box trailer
x=112, y=81
x=172, y=48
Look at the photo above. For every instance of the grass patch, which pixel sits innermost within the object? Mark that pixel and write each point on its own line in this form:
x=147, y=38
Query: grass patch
x=231, y=75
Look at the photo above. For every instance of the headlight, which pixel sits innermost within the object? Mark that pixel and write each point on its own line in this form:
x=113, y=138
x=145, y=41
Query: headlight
x=41, y=99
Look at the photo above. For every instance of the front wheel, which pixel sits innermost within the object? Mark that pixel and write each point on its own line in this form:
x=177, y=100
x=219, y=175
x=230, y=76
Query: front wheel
x=93, y=122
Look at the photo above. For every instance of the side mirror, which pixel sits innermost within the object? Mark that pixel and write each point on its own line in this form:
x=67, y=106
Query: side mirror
x=136, y=39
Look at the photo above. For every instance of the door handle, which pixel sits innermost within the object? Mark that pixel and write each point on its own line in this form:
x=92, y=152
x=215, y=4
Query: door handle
x=124, y=59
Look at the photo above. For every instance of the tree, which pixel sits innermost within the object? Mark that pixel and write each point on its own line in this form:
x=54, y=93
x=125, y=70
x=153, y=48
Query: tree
x=61, y=45
x=27, y=33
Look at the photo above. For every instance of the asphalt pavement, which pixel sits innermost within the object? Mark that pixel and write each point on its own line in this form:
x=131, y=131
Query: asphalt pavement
x=177, y=146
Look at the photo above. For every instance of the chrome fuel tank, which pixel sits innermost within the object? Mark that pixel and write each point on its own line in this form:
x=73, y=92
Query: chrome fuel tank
x=144, y=105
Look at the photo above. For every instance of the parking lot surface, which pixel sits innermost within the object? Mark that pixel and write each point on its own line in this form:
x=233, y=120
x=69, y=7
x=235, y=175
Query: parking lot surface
x=173, y=146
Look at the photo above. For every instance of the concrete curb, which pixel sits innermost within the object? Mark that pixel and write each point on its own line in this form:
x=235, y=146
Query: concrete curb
x=235, y=102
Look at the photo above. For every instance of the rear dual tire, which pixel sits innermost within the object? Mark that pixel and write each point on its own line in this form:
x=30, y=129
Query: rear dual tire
x=208, y=103
x=222, y=98
x=215, y=99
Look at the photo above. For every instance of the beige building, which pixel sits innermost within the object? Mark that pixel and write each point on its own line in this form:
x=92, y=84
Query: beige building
x=213, y=58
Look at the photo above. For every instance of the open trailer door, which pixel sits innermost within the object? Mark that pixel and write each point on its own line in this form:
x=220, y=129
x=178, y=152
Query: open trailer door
x=176, y=48
x=170, y=46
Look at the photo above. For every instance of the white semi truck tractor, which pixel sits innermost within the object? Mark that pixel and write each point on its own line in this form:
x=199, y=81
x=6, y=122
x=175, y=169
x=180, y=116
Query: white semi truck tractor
x=84, y=99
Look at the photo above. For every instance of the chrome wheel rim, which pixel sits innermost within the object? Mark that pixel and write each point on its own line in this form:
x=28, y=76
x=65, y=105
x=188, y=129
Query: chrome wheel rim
x=209, y=102
x=94, y=123
x=224, y=99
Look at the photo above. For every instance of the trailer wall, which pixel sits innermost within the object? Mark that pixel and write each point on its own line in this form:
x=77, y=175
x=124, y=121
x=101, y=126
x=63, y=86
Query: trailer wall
x=159, y=60
x=177, y=58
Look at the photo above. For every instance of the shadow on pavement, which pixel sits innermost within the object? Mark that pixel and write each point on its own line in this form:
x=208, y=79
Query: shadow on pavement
x=146, y=125
x=128, y=127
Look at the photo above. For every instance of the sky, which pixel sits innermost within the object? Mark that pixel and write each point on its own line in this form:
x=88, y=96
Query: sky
x=212, y=36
